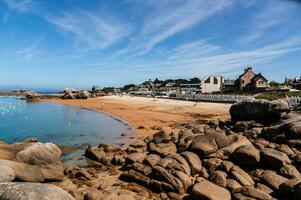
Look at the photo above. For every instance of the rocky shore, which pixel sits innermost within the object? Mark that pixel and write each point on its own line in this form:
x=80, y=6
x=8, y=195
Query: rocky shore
x=255, y=155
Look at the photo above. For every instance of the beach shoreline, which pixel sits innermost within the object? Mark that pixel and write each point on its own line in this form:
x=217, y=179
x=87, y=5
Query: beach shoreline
x=148, y=115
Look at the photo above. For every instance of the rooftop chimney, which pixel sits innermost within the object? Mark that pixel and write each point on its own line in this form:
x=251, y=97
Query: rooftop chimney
x=248, y=69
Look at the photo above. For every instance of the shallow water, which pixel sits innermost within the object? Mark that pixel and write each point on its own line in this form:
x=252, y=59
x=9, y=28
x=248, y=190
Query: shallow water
x=63, y=125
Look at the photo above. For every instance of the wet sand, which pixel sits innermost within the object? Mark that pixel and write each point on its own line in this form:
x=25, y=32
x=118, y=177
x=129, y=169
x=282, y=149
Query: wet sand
x=144, y=112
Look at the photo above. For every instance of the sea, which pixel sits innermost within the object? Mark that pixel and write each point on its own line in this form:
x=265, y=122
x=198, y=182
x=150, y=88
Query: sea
x=60, y=124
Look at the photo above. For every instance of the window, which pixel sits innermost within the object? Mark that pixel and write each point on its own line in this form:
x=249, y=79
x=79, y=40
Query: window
x=215, y=80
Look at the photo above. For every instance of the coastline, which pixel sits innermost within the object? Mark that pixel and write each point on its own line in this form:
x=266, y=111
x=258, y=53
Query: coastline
x=158, y=114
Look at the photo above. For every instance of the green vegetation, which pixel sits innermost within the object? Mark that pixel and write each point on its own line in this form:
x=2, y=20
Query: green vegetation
x=277, y=95
x=108, y=90
x=274, y=84
x=127, y=87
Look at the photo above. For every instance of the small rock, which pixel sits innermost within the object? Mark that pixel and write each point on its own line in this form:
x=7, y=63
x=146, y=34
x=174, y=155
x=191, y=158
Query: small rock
x=208, y=190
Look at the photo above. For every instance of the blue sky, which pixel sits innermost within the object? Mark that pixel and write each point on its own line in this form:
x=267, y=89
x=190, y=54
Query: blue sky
x=58, y=43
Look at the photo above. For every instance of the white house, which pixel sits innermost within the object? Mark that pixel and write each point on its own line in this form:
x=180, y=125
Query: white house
x=210, y=84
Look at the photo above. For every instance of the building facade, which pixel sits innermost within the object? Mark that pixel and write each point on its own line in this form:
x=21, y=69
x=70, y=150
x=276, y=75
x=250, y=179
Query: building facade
x=249, y=81
x=190, y=88
x=211, y=84
x=228, y=86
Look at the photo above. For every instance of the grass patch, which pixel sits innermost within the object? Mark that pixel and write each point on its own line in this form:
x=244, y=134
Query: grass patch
x=277, y=95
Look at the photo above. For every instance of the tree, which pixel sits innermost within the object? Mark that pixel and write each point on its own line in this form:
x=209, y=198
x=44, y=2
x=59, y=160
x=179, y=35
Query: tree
x=274, y=84
x=127, y=87
x=108, y=90
x=195, y=80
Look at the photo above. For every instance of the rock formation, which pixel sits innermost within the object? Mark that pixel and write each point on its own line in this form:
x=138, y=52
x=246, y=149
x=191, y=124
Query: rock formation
x=242, y=158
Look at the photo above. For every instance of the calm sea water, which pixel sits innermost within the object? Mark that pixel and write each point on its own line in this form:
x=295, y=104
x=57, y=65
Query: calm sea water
x=63, y=125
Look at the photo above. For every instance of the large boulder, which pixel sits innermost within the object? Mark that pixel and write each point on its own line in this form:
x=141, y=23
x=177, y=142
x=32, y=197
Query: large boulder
x=258, y=110
x=250, y=192
x=209, y=143
x=163, y=149
x=210, y=191
x=151, y=160
x=272, y=179
x=31, y=96
x=68, y=96
x=241, y=176
x=6, y=174
x=246, y=155
x=194, y=161
x=32, y=191
x=291, y=128
x=275, y=158
x=40, y=154
x=135, y=157
x=83, y=94
x=96, y=154
x=37, y=162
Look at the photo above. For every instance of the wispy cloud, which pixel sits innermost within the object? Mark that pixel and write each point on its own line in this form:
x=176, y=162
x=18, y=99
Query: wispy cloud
x=91, y=30
x=191, y=50
x=30, y=52
x=273, y=14
x=223, y=61
x=16, y=5
x=169, y=18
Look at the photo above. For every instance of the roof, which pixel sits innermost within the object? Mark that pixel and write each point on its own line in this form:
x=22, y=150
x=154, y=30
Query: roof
x=258, y=76
x=229, y=82
x=246, y=70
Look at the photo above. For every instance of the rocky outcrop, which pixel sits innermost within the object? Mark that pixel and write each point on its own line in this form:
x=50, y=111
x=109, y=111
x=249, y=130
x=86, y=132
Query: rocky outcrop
x=74, y=94
x=241, y=159
x=221, y=160
x=32, y=191
x=32, y=96
x=258, y=110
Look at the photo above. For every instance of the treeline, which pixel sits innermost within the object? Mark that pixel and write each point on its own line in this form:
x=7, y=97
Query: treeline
x=161, y=83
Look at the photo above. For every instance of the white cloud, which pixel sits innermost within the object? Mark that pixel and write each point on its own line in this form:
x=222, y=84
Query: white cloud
x=91, y=31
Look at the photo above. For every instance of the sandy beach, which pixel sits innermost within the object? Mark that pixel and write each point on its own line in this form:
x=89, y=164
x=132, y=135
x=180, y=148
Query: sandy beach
x=150, y=112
